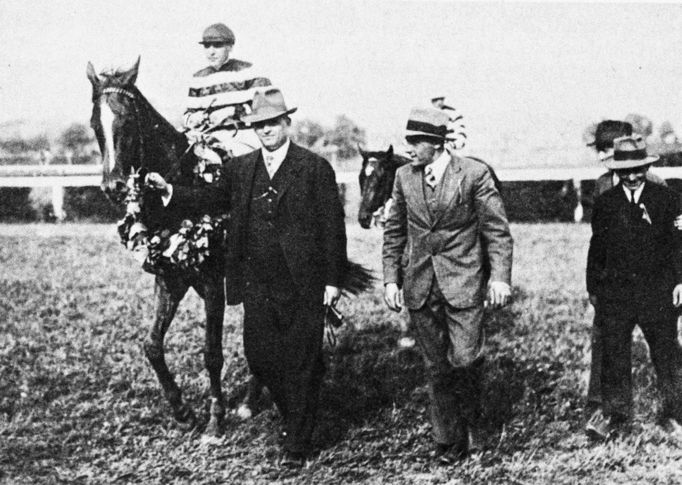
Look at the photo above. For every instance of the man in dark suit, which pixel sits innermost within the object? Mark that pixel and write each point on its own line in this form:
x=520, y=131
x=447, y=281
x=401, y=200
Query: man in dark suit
x=634, y=277
x=605, y=132
x=285, y=259
x=446, y=216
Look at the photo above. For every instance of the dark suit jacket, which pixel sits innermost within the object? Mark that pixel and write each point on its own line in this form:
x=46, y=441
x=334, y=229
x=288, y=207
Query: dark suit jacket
x=451, y=245
x=311, y=230
x=632, y=264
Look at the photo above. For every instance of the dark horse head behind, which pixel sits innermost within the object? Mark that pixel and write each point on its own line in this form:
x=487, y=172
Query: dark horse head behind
x=376, y=181
x=131, y=134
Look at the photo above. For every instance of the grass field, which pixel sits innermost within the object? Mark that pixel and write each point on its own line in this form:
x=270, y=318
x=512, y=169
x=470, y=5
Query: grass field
x=79, y=403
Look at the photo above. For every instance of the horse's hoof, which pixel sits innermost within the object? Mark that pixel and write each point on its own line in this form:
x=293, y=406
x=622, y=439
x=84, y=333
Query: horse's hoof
x=244, y=412
x=406, y=342
x=213, y=428
x=185, y=418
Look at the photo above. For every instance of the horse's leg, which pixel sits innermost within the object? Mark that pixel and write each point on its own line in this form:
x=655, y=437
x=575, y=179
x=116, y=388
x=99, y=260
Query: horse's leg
x=254, y=390
x=167, y=292
x=213, y=293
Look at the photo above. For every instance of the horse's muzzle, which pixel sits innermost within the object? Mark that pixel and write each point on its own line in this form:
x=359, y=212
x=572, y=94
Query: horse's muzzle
x=115, y=190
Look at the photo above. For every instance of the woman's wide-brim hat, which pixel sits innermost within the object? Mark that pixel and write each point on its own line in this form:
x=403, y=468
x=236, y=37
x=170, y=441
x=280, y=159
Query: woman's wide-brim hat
x=429, y=122
x=267, y=105
x=629, y=152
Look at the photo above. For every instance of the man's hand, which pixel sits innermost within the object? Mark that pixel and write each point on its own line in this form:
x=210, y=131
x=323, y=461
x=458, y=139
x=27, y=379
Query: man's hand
x=677, y=295
x=678, y=222
x=393, y=297
x=593, y=300
x=157, y=182
x=499, y=294
x=331, y=295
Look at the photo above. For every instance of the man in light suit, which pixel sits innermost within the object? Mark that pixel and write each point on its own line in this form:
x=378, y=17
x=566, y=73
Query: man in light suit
x=634, y=277
x=285, y=260
x=446, y=214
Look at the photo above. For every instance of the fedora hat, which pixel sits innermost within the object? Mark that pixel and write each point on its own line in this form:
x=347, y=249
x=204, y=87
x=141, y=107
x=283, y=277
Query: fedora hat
x=429, y=122
x=267, y=105
x=628, y=152
x=217, y=33
x=607, y=131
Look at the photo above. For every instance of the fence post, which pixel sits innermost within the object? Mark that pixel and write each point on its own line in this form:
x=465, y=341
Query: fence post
x=578, y=212
x=58, y=202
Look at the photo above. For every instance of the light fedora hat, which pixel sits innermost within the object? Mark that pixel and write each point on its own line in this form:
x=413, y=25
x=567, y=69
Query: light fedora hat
x=429, y=122
x=629, y=152
x=267, y=105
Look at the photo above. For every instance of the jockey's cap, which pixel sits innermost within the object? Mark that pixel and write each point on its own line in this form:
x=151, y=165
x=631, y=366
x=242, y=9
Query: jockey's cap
x=218, y=33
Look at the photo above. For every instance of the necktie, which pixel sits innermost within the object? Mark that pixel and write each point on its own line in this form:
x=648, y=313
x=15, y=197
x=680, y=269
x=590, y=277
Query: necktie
x=430, y=177
x=269, y=160
x=632, y=198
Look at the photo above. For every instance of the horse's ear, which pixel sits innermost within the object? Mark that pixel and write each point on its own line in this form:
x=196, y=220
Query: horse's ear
x=389, y=152
x=360, y=151
x=92, y=76
x=131, y=75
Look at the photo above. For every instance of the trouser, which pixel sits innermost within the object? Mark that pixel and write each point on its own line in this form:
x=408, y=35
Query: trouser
x=451, y=343
x=283, y=347
x=594, y=397
x=660, y=333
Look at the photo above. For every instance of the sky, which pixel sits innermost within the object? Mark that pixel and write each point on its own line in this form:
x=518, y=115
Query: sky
x=528, y=77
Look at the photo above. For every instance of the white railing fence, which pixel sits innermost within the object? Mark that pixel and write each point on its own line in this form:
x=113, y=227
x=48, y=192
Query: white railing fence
x=57, y=177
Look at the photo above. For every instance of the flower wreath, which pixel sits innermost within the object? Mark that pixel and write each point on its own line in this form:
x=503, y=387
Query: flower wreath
x=162, y=251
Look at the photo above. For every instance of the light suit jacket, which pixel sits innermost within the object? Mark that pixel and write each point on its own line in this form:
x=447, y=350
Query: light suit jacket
x=451, y=244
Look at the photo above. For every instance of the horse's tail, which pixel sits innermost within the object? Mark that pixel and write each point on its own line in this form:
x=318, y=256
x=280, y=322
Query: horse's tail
x=357, y=279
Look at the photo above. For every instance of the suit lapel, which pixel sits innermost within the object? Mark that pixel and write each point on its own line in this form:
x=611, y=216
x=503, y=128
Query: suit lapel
x=415, y=186
x=248, y=170
x=451, y=188
x=289, y=170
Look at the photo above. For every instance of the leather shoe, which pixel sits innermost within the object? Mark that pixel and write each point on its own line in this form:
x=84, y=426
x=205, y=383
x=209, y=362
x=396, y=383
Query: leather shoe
x=446, y=455
x=475, y=440
x=292, y=459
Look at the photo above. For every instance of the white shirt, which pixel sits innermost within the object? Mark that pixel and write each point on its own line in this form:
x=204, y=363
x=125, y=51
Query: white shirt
x=438, y=166
x=637, y=194
x=273, y=159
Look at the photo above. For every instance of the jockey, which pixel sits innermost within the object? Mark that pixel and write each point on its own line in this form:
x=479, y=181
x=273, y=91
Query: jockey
x=456, y=136
x=220, y=94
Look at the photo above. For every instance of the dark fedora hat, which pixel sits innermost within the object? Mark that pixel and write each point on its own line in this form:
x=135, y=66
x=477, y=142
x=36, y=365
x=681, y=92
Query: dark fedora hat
x=428, y=122
x=629, y=152
x=267, y=105
x=607, y=131
x=217, y=33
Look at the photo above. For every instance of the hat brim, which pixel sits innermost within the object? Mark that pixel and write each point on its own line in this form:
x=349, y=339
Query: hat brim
x=423, y=133
x=257, y=118
x=612, y=164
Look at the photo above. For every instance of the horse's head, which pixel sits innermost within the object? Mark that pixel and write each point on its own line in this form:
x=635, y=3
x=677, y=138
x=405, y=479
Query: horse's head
x=118, y=125
x=376, y=182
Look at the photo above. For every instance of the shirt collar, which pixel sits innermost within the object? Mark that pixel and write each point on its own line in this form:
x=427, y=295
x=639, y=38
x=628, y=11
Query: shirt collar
x=278, y=155
x=439, y=165
x=637, y=194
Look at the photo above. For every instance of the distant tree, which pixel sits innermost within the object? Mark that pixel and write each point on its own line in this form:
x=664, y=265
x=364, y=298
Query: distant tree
x=666, y=133
x=346, y=135
x=640, y=124
x=308, y=132
x=590, y=133
x=17, y=146
x=75, y=138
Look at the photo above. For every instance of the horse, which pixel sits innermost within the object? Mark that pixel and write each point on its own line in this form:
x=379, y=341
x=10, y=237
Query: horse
x=376, y=183
x=135, y=139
